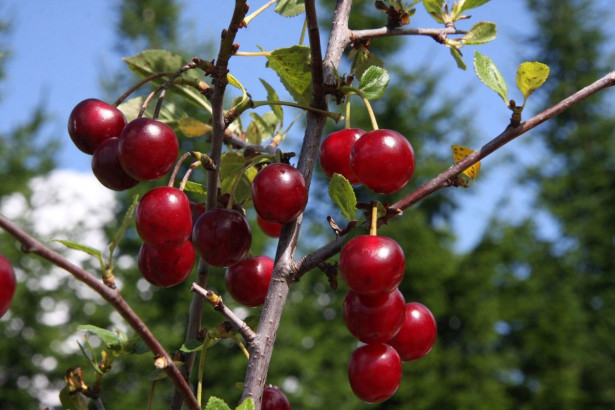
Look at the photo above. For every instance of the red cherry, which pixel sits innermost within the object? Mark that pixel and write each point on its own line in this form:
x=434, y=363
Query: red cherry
x=92, y=121
x=166, y=267
x=371, y=264
x=269, y=228
x=335, y=153
x=222, y=236
x=196, y=209
x=383, y=160
x=7, y=284
x=107, y=169
x=279, y=193
x=248, y=280
x=274, y=399
x=374, y=319
x=374, y=372
x=148, y=148
x=418, y=333
x=163, y=217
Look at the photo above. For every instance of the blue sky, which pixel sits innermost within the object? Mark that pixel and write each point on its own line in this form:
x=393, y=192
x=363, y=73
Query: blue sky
x=60, y=48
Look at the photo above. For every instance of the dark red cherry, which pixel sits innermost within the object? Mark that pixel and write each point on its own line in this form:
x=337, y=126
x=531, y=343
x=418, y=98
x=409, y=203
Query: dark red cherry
x=335, y=153
x=7, y=284
x=107, y=169
x=274, y=399
x=163, y=217
x=374, y=372
x=248, y=280
x=376, y=318
x=383, y=160
x=279, y=193
x=417, y=334
x=148, y=149
x=197, y=209
x=93, y=121
x=166, y=267
x=269, y=228
x=222, y=236
x=371, y=264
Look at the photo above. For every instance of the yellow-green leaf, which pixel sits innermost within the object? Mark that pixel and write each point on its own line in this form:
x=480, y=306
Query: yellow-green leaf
x=192, y=127
x=292, y=65
x=480, y=33
x=530, y=76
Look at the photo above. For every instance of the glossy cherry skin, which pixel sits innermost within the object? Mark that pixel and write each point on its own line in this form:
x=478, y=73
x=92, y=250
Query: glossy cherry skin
x=274, y=399
x=93, y=121
x=269, y=228
x=417, y=334
x=7, y=284
x=148, y=149
x=374, y=319
x=279, y=193
x=383, y=160
x=248, y=280
x=163, y=217
x=107, y=169
x=335, y=153
x=374, y=372
x=166, y=267
x=222, y=237
x=372, y=264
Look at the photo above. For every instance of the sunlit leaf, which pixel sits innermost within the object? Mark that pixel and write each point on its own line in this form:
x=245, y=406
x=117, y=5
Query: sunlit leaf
x=343, y=195
x=247, y=404
x=459, y=153
x=192, y=127
x=480, y=33
x=109, y=338
x=458, y=58
x=530, y=76
x=273, y=96
x=290, y=8
x=215, y=403
x=195, y=188
x=373, y=82
x=435, y=9
x=363, y=59
x=292, y=65
x=489, y=74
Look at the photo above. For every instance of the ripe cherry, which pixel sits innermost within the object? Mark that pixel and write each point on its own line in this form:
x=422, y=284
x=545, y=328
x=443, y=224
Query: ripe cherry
x=222, y=236
x=418, y=333
x=148, y=148
x=166, y=267
x=279, y=193
x=374, y=319
x=374, y=372
x=163, y=217
x=92, y=121
x=383, y=160
x=196, y=209
x=248, y=280
x=269, y=228
x=107, y=169
x=274, y=399
x=335, y=153
x=371, y=264
x=7, y=284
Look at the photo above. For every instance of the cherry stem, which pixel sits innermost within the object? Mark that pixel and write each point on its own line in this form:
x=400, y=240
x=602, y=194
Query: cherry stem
x=253, y=53
x=139, y=85
x=303, y=30
x=368, y=106
x=163, y=88
x=333, y=115
x=251, y=17
x=184, y=181
x=347, y=119
x=178, y=164
x=373, y=226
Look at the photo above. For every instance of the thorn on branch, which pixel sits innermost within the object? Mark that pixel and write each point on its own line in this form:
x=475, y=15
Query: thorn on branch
x=341, y=232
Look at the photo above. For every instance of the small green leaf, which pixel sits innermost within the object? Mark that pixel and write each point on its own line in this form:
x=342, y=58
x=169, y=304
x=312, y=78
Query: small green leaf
x=290, y=8
x=72, y=401
x=79, y=247
x=292, y=65
x=465, y=5
x=231, y=164
x=343, y=195
x=215, y=403
x=458, y=58
x=435, y=8
x=373, y=82
x=169, y=112
x=489, y=74
x=273, y=96
x=247, y=404
x=481, y=33
x=191, y=345
x=530, y=76
x=192, y=127
x=195, y=188
x=89, y=355
x=109, y=338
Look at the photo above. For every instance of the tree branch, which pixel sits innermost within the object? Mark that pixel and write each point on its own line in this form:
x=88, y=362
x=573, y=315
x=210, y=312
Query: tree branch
x=435, y=33
x=115, y=299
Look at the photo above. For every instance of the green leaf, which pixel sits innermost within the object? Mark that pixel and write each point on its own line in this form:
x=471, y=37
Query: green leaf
x=72, y=401
x=191, y=345
x=363, y=59
x=262, y=128
x=151, y=62
x=481, y=33
x=458, y=58
x=79, y=247
x=343, y=195
x=247, y=404
x=530, y=76
x=290, y=8
x=373, y=82
x=89, y=355
x=192, y=127
x=231, y=164
x=195, y=188
x=215, y=403
x=109, y=338
x=273, y=96
x=169, y=112
x=435, y=9
x=464, y=5
x=489, y=74
x=292, y=65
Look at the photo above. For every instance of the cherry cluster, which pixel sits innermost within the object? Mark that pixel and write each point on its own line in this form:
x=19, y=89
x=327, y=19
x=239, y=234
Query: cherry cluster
x=7, y=284
x=122, y=154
